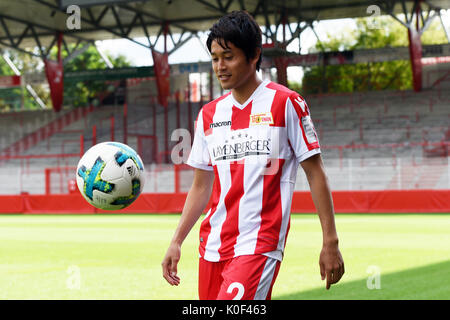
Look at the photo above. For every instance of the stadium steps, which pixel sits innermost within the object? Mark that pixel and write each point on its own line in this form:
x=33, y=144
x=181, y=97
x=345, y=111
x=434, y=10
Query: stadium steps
x=365, y=169
x=14, y=126
x=44, y=132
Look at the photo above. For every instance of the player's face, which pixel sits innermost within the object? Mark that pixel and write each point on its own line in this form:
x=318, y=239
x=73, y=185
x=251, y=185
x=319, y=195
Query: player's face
x=230, y=65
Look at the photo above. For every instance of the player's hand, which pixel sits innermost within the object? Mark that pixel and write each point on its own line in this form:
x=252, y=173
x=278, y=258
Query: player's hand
x=169, y=264
x=331, y=264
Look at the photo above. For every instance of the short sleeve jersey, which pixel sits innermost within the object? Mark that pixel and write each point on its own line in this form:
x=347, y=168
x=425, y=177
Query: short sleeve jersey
x=254, y=150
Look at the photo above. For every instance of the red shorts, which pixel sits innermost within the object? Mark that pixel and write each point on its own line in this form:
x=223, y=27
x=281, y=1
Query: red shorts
x=248, y=277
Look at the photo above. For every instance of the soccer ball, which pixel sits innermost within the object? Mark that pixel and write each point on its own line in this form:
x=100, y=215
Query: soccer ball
x=110, y=175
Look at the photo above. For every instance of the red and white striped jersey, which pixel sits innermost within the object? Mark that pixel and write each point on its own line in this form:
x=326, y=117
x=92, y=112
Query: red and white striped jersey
x=254, y=150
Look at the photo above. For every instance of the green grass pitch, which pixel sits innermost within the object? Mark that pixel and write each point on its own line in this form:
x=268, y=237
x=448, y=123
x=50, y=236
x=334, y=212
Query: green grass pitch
x=399, y=256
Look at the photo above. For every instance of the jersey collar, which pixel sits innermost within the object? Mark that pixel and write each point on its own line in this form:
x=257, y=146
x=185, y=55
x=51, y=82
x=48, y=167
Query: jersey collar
x=258, y=89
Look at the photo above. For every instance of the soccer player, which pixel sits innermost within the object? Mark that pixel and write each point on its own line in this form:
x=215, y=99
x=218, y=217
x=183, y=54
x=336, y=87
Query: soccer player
x=247, y=147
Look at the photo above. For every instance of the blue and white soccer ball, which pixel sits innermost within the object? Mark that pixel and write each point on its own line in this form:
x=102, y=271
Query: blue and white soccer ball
x=110, y=175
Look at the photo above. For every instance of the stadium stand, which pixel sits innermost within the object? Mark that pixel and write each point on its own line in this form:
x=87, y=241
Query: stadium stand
x=370, y=141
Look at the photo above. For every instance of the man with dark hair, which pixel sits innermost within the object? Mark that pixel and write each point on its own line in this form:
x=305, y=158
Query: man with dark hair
x=246, y=151
x=240, y=29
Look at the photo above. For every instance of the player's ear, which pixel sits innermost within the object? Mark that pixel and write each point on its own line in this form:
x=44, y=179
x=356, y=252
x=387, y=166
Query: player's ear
x=255, y=59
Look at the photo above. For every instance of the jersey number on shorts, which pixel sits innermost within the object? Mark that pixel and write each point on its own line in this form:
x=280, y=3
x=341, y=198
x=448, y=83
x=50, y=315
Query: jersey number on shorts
x=240, y=287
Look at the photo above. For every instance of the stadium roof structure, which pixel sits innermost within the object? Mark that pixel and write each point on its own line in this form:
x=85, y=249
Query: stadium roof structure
x=44, y=24
x=26, y=24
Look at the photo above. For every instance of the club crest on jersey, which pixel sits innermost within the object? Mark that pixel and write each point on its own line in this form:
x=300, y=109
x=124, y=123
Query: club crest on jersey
x=261, y=119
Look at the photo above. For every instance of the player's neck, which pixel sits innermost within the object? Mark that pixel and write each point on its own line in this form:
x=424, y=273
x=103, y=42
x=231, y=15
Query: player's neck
x=244, y=91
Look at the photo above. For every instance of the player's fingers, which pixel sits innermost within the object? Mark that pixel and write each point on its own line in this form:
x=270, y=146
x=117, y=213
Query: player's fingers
x=171, y=279
x=336, y=274
x=322, y=271
x=173, y=272
x=340, y=272
x=175, y=279
x=167, y=272
x=329, y=275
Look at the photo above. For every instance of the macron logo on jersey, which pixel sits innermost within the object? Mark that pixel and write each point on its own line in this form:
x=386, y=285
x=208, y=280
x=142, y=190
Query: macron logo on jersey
x=301, y=103
x=220, y=124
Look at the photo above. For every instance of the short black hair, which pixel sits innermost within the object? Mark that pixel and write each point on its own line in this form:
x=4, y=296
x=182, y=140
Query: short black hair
x=241, y=29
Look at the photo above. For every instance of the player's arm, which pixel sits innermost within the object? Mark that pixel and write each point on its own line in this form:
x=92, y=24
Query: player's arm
x=331, y=262
x=196, y=201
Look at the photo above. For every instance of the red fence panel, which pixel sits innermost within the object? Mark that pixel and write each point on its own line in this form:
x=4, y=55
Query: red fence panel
x=386, y=201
